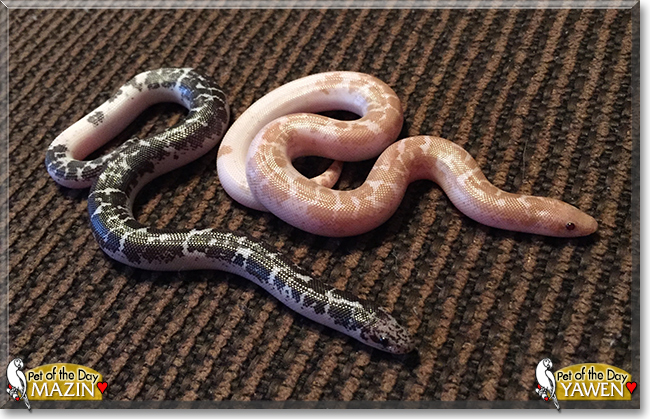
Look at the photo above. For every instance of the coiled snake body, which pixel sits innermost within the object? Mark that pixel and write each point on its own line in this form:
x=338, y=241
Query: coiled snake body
x=255, y=168
x=117, y=177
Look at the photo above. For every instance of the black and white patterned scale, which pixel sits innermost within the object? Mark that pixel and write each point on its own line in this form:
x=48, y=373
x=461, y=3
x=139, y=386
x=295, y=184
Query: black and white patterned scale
x=117, y=177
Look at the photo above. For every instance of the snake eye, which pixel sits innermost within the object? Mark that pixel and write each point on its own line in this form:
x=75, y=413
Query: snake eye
x=382, y=340
x=570, y=226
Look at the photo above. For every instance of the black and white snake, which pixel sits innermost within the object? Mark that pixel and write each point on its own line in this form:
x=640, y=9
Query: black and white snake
x=116, y=178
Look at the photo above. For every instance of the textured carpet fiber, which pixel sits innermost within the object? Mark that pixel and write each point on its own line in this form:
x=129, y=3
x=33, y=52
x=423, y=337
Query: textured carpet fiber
x=542, y=99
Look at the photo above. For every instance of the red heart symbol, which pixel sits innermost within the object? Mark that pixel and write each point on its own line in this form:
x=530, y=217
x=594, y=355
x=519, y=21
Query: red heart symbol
x=102, y=386
x=631, y=386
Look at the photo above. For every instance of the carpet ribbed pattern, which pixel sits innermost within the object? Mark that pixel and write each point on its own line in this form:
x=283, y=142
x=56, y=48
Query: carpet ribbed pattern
x=541, y=98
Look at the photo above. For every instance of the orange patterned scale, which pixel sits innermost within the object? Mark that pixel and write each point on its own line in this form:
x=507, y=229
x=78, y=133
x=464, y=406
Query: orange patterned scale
x=280, y=188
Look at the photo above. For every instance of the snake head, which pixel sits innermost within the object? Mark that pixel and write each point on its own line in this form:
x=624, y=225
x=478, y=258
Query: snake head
x=567, y=221
x=386, y=334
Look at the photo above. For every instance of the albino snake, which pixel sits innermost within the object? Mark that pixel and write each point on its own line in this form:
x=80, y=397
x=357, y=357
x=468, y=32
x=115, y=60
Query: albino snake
x=254, y=163
x=117, y=177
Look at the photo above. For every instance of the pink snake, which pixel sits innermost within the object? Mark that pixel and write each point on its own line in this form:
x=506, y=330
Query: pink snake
x=264, y=140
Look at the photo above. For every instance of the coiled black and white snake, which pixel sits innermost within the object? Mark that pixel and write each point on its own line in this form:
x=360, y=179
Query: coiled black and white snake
x=116, y=178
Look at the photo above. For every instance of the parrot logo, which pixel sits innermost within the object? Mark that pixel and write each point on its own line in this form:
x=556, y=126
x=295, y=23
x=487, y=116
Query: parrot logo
x=546, y=381
x=17, y=386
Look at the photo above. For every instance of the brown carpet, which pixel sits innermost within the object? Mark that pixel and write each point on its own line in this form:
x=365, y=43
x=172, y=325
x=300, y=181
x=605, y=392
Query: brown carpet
x=541, y=98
